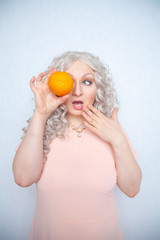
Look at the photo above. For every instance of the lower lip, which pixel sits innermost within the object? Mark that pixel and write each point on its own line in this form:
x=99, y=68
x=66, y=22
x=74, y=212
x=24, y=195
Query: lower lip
x=75, y=106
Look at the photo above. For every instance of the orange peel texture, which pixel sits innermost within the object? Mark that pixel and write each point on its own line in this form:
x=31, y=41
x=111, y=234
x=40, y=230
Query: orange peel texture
x=60, y=83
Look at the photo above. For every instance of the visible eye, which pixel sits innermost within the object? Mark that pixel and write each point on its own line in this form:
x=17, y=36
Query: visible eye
x=88, y=81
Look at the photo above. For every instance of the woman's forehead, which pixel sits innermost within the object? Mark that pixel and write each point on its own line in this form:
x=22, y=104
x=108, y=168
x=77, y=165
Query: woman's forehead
x=80, y=66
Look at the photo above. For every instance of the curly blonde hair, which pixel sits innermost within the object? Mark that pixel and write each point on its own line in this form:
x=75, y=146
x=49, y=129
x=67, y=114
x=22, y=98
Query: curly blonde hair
x=106, y=97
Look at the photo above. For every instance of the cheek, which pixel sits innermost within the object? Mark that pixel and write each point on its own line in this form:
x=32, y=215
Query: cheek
x=92, y=94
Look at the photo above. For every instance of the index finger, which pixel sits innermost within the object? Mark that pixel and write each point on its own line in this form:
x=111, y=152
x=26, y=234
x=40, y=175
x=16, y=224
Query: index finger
x=95, y=111
x=51, y=70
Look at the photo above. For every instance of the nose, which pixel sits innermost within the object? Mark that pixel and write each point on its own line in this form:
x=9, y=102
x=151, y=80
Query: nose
x=77, y=91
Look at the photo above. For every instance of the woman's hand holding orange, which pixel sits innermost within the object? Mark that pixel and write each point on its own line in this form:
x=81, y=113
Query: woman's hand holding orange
x=108, y=129
x=46, y=101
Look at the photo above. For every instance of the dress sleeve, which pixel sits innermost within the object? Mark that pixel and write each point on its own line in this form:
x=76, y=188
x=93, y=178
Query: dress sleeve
x=135, y=154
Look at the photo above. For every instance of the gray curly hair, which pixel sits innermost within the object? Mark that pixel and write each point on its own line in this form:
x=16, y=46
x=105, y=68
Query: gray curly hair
x=105, y=101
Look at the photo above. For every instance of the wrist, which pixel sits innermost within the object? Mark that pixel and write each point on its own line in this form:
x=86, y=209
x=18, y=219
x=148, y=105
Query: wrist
x=41, y=116
x=118, y=140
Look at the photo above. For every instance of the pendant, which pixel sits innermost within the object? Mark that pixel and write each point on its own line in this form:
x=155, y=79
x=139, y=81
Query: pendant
x=78, y=131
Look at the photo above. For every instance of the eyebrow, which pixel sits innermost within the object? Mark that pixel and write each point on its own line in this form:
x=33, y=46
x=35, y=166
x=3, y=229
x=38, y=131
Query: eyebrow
x=84, y=74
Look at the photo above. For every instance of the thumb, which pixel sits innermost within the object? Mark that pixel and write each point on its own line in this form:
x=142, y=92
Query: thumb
x=114, y=114
x=65, y=97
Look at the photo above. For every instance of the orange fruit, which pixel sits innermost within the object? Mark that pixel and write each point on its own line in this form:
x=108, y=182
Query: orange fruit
x=60, y=83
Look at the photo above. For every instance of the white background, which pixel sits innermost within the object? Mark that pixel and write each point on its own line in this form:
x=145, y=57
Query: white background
x=126, y=36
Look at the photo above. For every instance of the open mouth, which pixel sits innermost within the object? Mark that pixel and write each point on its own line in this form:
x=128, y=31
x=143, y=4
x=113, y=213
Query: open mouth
x=77, y=104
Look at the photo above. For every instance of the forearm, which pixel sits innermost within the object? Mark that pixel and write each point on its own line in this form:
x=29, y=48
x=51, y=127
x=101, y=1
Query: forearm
x=28, y=160
x=129, y=173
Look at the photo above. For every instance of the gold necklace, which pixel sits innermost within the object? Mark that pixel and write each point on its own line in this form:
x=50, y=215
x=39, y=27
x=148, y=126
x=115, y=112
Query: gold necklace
x=78, y=131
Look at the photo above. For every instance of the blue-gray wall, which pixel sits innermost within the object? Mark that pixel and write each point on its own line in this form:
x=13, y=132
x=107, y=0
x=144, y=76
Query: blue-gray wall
x=126, y=36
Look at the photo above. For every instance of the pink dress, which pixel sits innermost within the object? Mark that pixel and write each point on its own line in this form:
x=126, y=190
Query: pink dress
x=75, y=198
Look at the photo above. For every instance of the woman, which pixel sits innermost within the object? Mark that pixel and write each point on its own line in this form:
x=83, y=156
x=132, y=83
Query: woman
x=76, y=153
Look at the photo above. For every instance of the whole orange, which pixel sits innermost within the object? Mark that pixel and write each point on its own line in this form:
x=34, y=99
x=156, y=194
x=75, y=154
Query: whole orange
x=60, y=83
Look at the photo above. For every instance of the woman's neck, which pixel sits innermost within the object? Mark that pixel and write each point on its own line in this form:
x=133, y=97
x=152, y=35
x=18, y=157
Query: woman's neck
x=75, y=121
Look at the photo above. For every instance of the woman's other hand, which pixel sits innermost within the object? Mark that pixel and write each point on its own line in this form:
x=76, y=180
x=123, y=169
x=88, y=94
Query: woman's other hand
x=106, y=128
